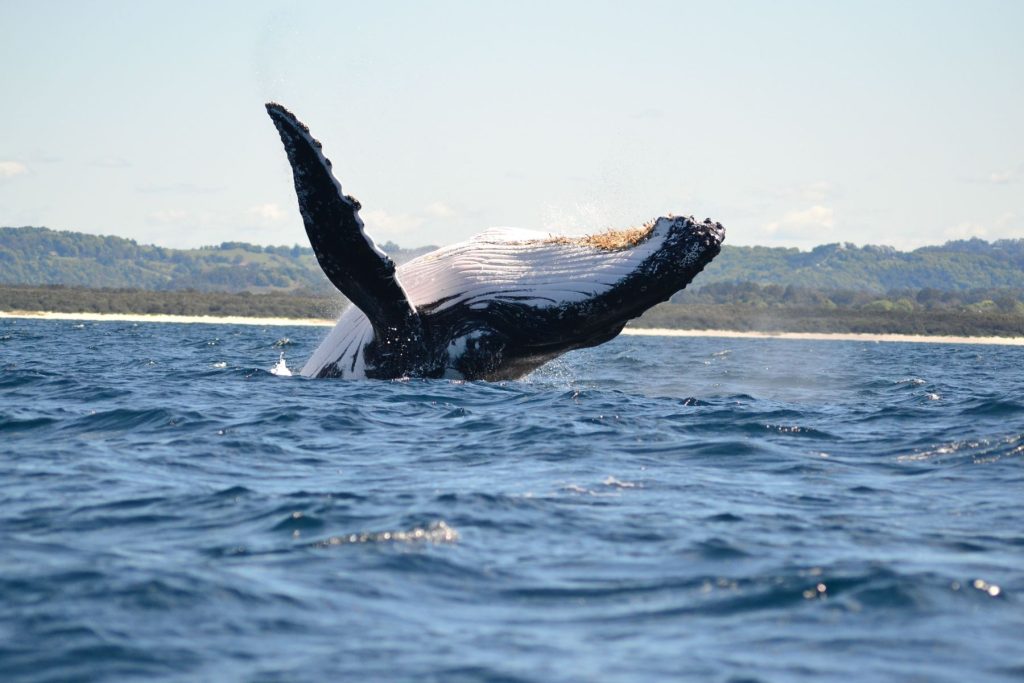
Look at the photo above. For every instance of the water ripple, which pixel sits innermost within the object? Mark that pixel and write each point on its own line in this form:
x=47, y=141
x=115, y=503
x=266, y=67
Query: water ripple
x=652, y=509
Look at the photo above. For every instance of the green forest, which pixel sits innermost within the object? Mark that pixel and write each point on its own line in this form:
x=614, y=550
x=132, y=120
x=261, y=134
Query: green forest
x=971, y=313
x=62, y=299
x=969, y=287
x=40, y=256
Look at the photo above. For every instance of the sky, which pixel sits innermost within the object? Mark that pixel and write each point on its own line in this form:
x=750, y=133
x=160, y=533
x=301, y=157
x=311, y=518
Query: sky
x=791, y=123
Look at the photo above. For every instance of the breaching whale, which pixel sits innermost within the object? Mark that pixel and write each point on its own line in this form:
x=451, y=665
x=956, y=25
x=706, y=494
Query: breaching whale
x=494, y=307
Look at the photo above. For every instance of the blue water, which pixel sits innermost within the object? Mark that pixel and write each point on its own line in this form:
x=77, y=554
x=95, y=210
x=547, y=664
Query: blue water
x=654, y=509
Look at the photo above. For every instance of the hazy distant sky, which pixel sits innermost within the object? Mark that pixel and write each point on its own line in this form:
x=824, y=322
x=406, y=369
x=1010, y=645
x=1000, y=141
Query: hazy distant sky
x=792, y=123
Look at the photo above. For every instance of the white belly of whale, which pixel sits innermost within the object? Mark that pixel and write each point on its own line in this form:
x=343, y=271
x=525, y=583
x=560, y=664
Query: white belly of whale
x=500, y=264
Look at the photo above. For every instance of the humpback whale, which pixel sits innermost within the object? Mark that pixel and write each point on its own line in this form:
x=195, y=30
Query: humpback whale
x=494, y=307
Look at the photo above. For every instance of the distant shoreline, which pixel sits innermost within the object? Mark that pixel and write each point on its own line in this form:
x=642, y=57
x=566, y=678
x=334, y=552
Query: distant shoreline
x=826, y=336
x=635, y=331
x=165, y=318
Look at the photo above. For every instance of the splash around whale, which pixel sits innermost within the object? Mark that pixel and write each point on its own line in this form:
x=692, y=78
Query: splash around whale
x=493, y=307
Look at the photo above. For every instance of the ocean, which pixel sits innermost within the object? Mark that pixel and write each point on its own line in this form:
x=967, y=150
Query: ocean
x=654, y=509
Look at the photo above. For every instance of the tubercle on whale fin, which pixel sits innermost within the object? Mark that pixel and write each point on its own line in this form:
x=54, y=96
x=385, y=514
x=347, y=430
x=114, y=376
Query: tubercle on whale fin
x=281, y=110
x=352, y=261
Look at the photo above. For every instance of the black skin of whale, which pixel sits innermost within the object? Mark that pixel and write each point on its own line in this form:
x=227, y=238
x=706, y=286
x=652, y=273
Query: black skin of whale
x=511, y=338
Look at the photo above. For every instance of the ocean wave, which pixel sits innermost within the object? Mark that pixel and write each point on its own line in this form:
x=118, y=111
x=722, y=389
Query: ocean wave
x=628, y=513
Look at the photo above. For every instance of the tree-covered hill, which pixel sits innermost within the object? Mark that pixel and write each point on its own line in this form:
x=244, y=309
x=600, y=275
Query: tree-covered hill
x=39, y=256
x=954, y=266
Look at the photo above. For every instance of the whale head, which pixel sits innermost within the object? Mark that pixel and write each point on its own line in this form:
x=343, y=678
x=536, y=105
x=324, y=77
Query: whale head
x=673, y=252
x=512, y=300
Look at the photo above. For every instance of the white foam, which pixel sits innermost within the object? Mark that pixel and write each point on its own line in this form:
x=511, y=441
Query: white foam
x=281, y=369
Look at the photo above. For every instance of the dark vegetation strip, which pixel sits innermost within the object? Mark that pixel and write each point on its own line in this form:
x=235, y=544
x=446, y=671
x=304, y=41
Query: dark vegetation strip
x=753, y=308
x=61, y=299
x=980, y=299
x=747, y=318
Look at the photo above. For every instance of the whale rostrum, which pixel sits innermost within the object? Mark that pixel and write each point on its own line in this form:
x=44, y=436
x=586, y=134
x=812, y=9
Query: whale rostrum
x=494, y=307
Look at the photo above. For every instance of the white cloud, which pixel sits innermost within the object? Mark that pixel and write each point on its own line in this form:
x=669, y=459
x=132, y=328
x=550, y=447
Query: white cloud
x=268, y=213
x=9, y=169
x=1011, y=220
x=1005, y=177
x=810, y=222
x=186, y=228
x=1009, y=225
x=440, y=210
x=168, y=216
x=816, y=192
x=390, y=224
x=963, y=231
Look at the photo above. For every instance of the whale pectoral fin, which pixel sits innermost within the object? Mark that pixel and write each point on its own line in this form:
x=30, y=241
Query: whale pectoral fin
x=347, y=255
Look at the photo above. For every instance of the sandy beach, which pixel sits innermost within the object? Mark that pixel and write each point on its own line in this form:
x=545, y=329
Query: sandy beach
x=159, y=318
x=825, y=336
x=639, y=331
